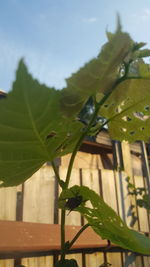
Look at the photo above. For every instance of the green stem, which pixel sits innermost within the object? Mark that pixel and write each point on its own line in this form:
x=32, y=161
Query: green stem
x=82, y=138
x=78, y=234
x=78, y=146
x=62, y=225
x=62, y=229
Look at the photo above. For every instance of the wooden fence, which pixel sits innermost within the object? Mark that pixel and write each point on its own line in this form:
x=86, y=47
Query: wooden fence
x=36, y=200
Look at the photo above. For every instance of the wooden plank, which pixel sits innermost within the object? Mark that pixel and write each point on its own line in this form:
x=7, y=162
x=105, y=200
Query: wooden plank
x=133, y=209
x=95, y=259
x=6, y=263
x=84, y=161
x=146, y=261
x=137, y=167
x=103, y=138
x=109, y=190
x=110, y=197
x=40, y=262
x=138, y=261
x=124, y=200
x=128, y=170
x=24, y=237
x=90, y=178
x=39, y=197
x=142, y=213
x=8, y=198
x=114, y=259
x=39, y=204
x=8, y=203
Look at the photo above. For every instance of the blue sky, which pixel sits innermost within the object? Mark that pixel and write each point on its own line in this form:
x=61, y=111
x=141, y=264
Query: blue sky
x=56, y=37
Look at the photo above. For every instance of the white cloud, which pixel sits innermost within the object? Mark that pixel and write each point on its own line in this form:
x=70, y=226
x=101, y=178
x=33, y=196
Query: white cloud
x=146, y=12
x=90, y=20
x=143, y=16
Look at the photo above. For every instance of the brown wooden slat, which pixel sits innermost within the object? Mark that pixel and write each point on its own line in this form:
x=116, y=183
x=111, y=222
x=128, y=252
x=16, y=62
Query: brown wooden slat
x=27, y=237
x=8, y=197
x=128, y=169
x=38, y=205
x=90, y=178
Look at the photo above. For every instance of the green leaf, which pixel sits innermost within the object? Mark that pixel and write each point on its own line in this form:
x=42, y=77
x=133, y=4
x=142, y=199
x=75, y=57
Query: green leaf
x=142, y=53
x=106, y=223
x=128, y=111
x=66, y=263
x=137, y=46
x=98, y=75
x=33, y=129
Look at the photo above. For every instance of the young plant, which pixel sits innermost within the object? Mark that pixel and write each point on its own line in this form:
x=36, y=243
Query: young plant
x=39, y=124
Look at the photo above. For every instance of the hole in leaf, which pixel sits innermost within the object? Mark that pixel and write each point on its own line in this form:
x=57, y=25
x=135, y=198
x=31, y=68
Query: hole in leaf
x=62, y=147
x=142, y=128
x=132, y=132
x=123, y=130
x=129, y=119
x=147, y=108
x=141, y=116
x=105, y=105
x=125, y=118
x=52, y=134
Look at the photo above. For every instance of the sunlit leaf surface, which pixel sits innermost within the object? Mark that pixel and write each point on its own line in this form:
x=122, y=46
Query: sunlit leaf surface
x=105, y=222
x=33, y=129
x=99, y=74
x=128, y=109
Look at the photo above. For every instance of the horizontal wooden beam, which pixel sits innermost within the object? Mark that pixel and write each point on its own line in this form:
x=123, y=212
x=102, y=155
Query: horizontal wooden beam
x=17, y=238
x=24, y=239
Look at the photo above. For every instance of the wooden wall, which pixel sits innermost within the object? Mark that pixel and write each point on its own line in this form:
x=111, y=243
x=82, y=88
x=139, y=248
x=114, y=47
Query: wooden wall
x=36, y=199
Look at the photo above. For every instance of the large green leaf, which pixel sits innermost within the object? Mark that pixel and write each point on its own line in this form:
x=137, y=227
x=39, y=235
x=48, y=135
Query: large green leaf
x=104, y=221
x=128, y=109
x=98, y=75
x=33, y=129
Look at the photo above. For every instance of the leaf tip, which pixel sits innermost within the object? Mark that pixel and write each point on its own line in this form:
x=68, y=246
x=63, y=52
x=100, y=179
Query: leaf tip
x=21, y=64
x=119, y=26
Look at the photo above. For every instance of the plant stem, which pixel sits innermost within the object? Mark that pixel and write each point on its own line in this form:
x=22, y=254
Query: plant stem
x=78, y=234
x=78, y=144
x=63, y=212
